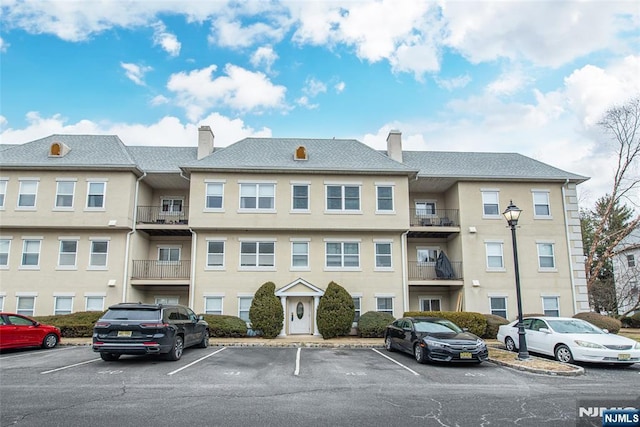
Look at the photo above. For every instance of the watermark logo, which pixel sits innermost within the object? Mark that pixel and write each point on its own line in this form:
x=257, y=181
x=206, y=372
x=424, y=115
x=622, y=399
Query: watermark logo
x=608, y=413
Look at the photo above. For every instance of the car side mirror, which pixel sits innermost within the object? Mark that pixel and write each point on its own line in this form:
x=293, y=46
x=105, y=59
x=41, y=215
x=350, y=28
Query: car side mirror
x=200, y=317
x=606, y=331
x=465, y=329
x=545, y=330
x=37, y=324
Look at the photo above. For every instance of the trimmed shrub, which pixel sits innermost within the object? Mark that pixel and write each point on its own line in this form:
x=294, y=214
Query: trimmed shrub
x=335, y=312
x=266, y=314
x=602, y=322
x=474, y=322
x=222, y=326
x=372, y=324
x=493, y=323
x=74, y=325
x=631, y=321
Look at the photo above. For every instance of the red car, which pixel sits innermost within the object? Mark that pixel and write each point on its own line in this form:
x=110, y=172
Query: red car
x=18, y=331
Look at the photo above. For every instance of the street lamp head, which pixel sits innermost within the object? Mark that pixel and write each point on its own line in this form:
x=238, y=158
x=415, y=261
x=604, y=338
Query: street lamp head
x=512, y=214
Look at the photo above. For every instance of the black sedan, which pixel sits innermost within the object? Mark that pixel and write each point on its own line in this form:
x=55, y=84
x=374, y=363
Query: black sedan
x=434, y=339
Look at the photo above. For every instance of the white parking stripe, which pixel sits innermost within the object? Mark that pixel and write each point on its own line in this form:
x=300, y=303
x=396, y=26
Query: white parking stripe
x=70, y=366
x=396, y=362
x=297, y=371
x=195, y=361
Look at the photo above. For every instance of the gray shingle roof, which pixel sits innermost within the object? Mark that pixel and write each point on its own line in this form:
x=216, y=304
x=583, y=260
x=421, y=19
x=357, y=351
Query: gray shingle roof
x=86, y=151
x=484, y=166
x=162, y=159
x=324, y=155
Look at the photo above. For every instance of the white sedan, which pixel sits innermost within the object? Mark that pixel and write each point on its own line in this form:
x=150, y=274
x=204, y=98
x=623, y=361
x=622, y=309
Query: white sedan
x=568, y=339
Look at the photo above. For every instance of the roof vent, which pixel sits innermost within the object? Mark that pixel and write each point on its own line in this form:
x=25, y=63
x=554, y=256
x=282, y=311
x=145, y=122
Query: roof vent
x=301, y=153
x=58, y=149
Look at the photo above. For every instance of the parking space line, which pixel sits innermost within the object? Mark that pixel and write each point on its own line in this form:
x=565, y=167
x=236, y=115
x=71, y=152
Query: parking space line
x=396, y=362
x=70, y=366
x=195, y=361
x=297, y=371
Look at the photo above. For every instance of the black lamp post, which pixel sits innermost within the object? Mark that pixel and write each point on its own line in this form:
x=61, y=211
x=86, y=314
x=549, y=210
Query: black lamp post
x=512, y=214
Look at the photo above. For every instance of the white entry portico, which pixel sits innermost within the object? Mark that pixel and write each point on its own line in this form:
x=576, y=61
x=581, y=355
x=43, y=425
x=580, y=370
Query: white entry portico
x=300, y=301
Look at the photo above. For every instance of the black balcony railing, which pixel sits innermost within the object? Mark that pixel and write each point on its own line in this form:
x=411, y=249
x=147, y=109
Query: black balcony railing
x=437, y=218
x=153, y=269
x=427, y=271
x=156, y=215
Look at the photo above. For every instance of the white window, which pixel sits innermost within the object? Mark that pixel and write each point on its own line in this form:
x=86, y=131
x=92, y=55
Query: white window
x=98, y=254
x=1, y=302
x=96, y=194
x=167, y=300
x=215, y=253
x=3, y=192
x=430, y=304
x=257, y=196
x=64, y=194
x=384, y=305
x=384, y=198
x=171, y=205
x=300, y=197
x=541, y=208
x=498, y=306
x=631, y=260
x=5, y=246
x=213, y=305
x=546, y=257
x=356, y=305
x=551, y=306
x=63, y=305
x=425, y=208
x=31, y=253
x=27, y=194
x=427, y=255
x=94, y=303
x=68, y=253
x=299, y=255
x=257, y=254
x=342, y=255
x=215, y=198
x=244, y=305
x=383, y=255
x=494, y=255
x=490, y=204
x=169, y=254
x=343, y=197
x=26, y=305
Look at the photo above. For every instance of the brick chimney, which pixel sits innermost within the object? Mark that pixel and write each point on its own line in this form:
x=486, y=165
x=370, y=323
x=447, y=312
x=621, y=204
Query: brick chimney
x=205, y=142
x=394, y=145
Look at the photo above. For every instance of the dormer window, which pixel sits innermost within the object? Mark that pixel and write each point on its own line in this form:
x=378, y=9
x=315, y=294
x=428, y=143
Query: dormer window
x=301, y=153
x=58, y=149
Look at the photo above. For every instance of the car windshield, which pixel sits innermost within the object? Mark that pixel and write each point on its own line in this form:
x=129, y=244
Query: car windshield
x=574, y=326
x=436, y=326
x=137, y=314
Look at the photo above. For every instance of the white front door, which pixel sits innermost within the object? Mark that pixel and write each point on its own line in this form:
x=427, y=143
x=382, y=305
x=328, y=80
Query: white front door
x=299, y=315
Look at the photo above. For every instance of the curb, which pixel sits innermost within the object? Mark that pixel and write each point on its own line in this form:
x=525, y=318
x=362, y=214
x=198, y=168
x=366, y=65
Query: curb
x=577, y=370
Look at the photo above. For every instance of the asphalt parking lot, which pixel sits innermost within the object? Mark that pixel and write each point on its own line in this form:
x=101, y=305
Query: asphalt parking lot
x=72, y=386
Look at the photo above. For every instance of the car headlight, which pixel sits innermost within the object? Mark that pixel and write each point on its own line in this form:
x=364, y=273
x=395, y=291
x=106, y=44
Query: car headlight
x=480, y=343
x=432, y=343
x=637, y=347
x=588, y=344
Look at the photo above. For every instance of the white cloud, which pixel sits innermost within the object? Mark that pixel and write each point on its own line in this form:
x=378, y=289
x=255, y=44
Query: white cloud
x=304, y=101
x=135, y=72
x=313, y=87
x=159, y=100
x=3, y=45
x=167, y=41
x=264, y=57
x=339, y=87
x=453, y=83
x=236, y=35
x=509, y=83
x=240, y=89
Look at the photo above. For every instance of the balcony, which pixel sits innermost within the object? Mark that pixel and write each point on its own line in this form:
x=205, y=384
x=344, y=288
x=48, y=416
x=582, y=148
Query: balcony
x=156, y=215
x=440, y=223
x=426, y=271
x=174, y=271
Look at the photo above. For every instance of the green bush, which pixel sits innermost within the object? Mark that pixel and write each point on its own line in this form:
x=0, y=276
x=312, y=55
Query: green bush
x=335, y=312
x=602, y=322
x=222, y=326
x=372, y=324
x=493, y=323
x=474, y=322
x=266, y=314
x=631, y=321
x=74, y=325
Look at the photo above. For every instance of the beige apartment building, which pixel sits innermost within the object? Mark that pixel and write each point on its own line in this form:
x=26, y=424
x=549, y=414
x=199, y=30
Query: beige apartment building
x=87, y=221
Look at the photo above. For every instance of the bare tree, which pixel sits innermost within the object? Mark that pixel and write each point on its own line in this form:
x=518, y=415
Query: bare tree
x=627, y=275
x=622, y=125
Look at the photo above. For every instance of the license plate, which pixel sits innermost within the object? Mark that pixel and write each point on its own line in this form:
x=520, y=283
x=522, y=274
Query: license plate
x=465, y=355
x=124, y=333
x=624, y=356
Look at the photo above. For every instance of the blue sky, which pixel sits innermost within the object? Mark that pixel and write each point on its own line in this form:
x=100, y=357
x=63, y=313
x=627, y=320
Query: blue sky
x=531, y=77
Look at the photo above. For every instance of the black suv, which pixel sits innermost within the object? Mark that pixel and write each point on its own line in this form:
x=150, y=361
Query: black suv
x=131, y=328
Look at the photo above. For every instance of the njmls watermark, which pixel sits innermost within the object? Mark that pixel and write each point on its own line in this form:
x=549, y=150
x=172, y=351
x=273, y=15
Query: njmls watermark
x=608, y=413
